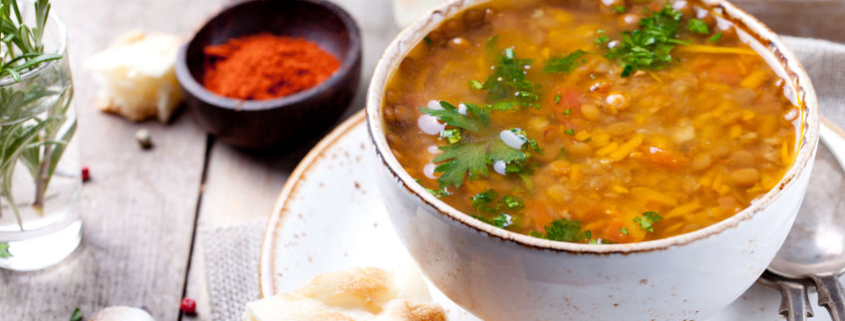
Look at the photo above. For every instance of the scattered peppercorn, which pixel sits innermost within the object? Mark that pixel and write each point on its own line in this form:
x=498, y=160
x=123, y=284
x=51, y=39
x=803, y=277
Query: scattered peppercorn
x=143, y=137
x=86, y=174
x=188, y=306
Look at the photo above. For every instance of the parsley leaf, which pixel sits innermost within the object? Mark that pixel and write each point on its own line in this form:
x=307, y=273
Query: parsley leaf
x=501, y=221
x=567, y=112
x=492, y=44
x=4, y=251
x=650, y=46
x=624, y=230
x=440, y=193
x=481, y=200
x=567, y=231
x=499, y=151
x=564, y=153
x=570, y=132
x=564, y=64
x=716, y=37
x=696, y=25
x=523, y=136
x=476, y=117
x=428, y=41
x=648, y=220
x=602, y=37
x=460, y=159
x=508, y=82
x=619, y=9
x=512, y=202
x=451, y=135
x=77, y=315
x=503, y=106
x=557, y=98
x=475, y=84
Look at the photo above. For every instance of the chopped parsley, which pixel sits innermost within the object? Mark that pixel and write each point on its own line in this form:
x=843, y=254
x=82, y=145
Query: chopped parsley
x=696, y=25
x=481, y=201
x=462, y=159
x=716, y=37
x=509, y=83
x=602, y=38
x=492, y=44
x=565, y=230
x=501, y=221
x=567, y=112
x=452, y=135
x=475, y=84
x=570, y=132
x=504, y=106
x=428, y=41
x=439, y=193
x=564, y=153
x=476, y=117
x=650, y=46
x=565, y=64
x=512, y=202
x=624, y=230
x=648, y=220
x=619, y=9
x=530, y=141
x=557, y=98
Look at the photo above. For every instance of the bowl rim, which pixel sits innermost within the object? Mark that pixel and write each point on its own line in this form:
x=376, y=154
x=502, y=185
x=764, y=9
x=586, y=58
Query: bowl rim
x=193, y=86
x=773, y=47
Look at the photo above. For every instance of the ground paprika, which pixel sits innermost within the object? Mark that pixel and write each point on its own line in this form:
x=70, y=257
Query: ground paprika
x=266, y=66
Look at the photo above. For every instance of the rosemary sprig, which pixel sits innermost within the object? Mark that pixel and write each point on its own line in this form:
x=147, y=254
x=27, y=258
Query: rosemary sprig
x=34, y=128
x=22, y=46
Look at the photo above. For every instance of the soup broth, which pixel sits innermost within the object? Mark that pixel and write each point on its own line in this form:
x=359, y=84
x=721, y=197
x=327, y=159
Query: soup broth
x=591, y=121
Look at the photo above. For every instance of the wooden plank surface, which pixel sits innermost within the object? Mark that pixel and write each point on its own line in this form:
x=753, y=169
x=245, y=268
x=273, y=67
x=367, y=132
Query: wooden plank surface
x=139, y=208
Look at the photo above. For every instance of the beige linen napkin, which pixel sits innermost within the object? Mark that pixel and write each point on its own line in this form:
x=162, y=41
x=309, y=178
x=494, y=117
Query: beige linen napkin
x=232, y=252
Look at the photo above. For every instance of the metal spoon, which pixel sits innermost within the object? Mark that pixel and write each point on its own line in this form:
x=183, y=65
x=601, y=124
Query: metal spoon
x=815, y=247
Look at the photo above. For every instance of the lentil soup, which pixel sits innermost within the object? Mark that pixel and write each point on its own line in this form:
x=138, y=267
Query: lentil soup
x=591, y=121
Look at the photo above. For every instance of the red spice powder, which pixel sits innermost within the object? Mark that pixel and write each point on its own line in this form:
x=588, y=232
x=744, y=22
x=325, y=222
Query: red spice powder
x=266, y=66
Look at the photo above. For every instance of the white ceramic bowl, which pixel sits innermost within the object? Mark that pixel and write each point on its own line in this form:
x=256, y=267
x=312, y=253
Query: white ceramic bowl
x=501, y=275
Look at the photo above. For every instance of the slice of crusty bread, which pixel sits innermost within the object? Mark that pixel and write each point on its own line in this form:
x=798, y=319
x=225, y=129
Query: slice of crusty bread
x=137, y=77
x=361, y=294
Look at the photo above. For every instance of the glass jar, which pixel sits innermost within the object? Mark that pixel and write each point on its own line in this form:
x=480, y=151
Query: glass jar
x=40, y=177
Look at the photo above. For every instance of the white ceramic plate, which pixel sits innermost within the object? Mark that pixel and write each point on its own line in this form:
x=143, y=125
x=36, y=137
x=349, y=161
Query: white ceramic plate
x=329, y=217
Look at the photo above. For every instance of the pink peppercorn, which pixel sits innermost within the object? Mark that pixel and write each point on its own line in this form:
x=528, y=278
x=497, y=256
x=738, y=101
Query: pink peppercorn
x=188, y=306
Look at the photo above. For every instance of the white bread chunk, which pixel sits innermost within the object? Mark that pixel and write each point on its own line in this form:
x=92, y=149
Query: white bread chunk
x=137, y=77
x=361, y=294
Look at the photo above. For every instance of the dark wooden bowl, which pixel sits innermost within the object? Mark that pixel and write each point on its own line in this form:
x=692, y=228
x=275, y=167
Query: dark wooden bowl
x=286, y=122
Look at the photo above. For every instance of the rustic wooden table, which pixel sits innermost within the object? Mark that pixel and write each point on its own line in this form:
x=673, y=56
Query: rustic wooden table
x=142, y=209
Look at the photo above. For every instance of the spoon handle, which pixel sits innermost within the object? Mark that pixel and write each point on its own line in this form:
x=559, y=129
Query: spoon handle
x=831, y=295
x=834, y=138
x=794, y=304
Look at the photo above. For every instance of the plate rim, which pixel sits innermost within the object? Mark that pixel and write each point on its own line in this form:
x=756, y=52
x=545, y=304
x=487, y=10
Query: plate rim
x=267, y=254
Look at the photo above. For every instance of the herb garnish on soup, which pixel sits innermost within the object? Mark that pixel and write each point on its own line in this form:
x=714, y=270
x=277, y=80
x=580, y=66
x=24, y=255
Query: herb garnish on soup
x=591, y=121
